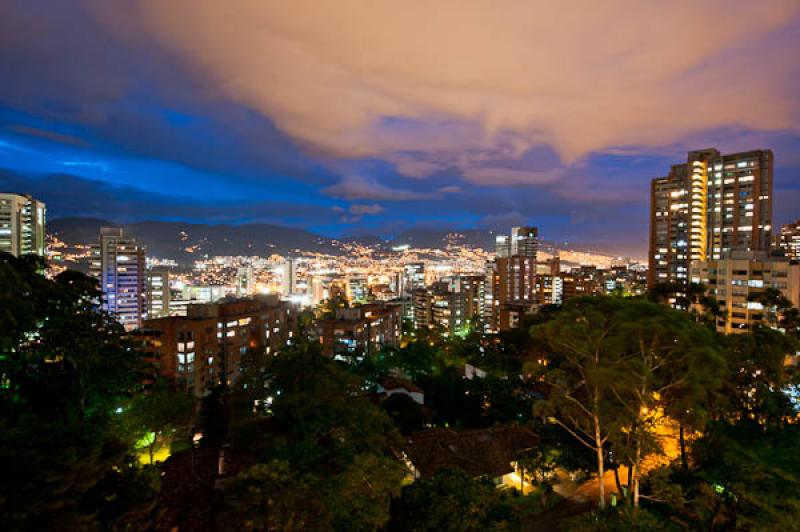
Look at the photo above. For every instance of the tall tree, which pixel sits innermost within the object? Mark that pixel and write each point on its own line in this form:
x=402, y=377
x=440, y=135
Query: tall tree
x=583, y=362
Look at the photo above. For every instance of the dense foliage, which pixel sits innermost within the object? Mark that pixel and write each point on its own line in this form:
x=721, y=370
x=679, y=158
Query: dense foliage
x=698, y=431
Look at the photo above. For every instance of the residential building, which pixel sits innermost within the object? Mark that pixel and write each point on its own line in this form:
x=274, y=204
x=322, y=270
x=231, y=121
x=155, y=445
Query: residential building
x=205, y=347
x=157, y=293
x=361, y=330
x=413, y=277
x=734, y=279
x=706, y=207
x=118, y=263
x=22, y=225
x=789, y=240
x=511, y=279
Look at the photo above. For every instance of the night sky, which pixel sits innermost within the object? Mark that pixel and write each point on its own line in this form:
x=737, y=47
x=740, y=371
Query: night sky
x=371, y=117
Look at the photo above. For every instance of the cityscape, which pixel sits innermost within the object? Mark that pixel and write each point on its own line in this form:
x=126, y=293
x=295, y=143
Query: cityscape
x=226, y=306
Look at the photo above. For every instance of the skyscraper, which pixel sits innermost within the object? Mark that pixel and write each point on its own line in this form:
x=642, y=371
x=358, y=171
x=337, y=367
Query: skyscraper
x=512, y=278
x=707, y=207
x=22, y=221
x=118, y=263
x=524, y=241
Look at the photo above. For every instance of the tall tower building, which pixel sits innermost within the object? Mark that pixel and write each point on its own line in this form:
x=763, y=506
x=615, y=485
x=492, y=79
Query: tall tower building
x=157, y=293
x=706, y=208
x=524, y=241
x=118, y=263
x=22, y=225
x=512, y=279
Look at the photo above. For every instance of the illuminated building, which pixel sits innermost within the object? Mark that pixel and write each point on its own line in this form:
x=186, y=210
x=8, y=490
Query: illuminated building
x=512, y=278
x=244, y=281
x=706, y=207
x=205, y=347
x=289, y=280
x=357, y=290
x=22, y=225
x=740, y=275
x=361, y=330
x=549, y=283
x=449, y=305
x=413, y=277
x=524, y=242
x=157, y=293
x=118, y=263
x=789, y=240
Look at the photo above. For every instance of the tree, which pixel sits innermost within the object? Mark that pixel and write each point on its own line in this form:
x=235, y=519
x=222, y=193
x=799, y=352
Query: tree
x=583, y=362
x=65, y=367
x=329, y=434
x=666, y=368
x=620, y=368
x=757, y=376
x=270, y=496
x=775, y=306
x=451, y=500
x=154, y=417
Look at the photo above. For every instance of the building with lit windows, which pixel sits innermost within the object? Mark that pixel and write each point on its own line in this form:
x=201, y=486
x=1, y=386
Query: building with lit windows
x=157, y=293
x=512, y=279
x=706, y=207
x=118, y=263
x=204, y=348
x=734, y=279
x=22, y=225
x=413, y=277
x=789, y=240
x=361, y=330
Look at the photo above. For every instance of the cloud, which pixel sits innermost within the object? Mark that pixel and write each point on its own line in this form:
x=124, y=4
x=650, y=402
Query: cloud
x=354, y=187
x=376, y=79
x=506, y=176
x=365, y=209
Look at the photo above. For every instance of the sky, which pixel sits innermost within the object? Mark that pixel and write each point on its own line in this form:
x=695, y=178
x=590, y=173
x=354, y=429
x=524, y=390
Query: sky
x=371, y=118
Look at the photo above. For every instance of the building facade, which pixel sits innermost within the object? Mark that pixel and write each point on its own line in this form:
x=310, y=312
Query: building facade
x=735, y=279
x=22, y=225
x=118, y=263
x=157, y=293
x=789, y=240
x=707, y=207
x=361, y=330
x=204, y=348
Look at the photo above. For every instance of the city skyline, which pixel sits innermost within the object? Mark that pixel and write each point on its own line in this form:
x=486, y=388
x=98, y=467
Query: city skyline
x=325, y=129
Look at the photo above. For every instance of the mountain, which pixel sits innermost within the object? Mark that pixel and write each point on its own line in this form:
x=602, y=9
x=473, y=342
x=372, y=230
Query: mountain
x=185, y=241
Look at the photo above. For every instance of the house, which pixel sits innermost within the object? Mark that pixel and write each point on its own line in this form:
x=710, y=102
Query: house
x=482, y=453
x=396, y=385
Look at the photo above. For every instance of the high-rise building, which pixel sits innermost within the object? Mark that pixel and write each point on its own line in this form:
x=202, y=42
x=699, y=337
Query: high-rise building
x=157, y=293
x=706, y=207
x=289, y=279
x=524, y=241
x=512, y=279
x=413, y=277
x=502, y=246
x=118, y=263
x=789, y=240
x=22, y=225
x=357, y=290
x=245, y=285
x=735, y=279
